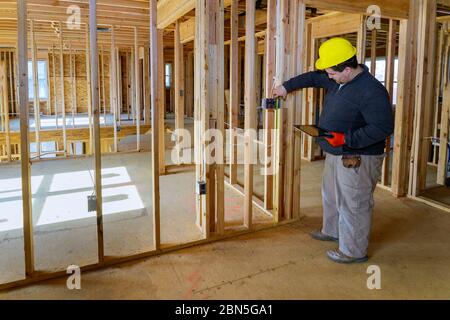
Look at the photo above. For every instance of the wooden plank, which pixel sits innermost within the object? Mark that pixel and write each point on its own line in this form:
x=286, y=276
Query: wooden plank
x=269, y=115
x=373, y=52
x=405, y=101
x=179, y=89
x=424, y=96
x=61, y=76
x=89, y=93
x=55, y=94
x=36, y=102
x=300, y=33
x=138, y=89
x=438, y=87
x=190, y=84
x=72, y=85
x=361, y=40
x=389, y=80
x=220, y=169
x=444, y=123
x=96, y=125
x=282, y=25
x=5, y=104
x=113, y=85
x=336, y=24
x=146, y=85
x=155, y=97
x=187, y=30
x=250, y=110
x=234, y=91
x=24, y=151
x=161, y=103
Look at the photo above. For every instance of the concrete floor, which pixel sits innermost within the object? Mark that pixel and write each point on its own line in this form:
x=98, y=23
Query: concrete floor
x=410, y=243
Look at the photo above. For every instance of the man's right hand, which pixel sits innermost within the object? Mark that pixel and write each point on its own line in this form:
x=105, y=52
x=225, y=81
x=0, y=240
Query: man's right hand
x=279, y=91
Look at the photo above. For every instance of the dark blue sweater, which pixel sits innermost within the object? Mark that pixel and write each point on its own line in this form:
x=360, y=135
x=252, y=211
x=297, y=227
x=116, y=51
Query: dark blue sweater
x=361, y=109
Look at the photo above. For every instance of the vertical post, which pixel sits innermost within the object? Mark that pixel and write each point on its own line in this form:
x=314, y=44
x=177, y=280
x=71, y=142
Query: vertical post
x=250, y=110
x=63, y=100
x=179, y=88
x=405, y=101
x=424, y=96
x=154, y=83
x=220, y=170
x=89, y=94
x=36, y=91
x=55, y=94
x=137, y=90
x=234, y=90
x=373, y=53
x=390, y=63
x=4, y=83
x=47, y=67
x=161, y=102
x=269, y=118
x=119, y=86
x=282, y=23
x=72, y=84
x=25, y=147
x=300, y=50
x=146, y=75
x=361, y=41
x=95, y=110
x=113, y=87
x=102, y=63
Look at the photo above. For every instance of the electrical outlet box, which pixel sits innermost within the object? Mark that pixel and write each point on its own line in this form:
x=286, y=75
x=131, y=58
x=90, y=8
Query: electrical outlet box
x=201, y=188
x=92, y=203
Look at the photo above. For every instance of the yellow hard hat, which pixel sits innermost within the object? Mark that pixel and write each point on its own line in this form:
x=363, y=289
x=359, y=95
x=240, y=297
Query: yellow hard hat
x=333, y=52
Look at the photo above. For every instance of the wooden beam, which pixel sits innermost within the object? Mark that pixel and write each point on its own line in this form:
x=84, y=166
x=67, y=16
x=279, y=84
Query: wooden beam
x=25, y=149
x=61, y=75
x=36, y=102
x=138, y=89
x=179, y=89
x=250, y=110
x=424, y=96
x=161, y=103
x=269, y=115
x=405, y=101
x=5, y=104
x=234, y=91
x=113, y=85
x=155, y=97
x=445, y=115
x=95, y=109
x=89, y=93
x=389, y=80
x=220, y=167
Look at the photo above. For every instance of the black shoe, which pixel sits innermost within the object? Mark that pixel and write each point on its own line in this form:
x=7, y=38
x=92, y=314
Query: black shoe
x=318, y=235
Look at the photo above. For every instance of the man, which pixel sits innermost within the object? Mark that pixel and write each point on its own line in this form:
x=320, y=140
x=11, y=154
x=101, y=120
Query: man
x=358, y=114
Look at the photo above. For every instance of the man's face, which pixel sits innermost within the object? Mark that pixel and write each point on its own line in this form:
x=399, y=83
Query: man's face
x=340, y=77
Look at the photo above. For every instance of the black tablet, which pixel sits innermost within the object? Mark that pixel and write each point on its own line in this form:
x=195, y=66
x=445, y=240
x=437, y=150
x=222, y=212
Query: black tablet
x=313, y=131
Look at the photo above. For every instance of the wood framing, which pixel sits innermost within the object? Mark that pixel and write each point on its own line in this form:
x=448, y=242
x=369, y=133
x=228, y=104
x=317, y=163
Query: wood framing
x=155, y=83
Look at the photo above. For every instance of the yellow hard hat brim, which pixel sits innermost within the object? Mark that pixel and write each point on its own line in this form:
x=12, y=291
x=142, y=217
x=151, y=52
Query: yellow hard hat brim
x=321, y=64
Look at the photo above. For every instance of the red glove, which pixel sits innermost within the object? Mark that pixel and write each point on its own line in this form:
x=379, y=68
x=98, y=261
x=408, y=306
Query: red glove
x=338, y=139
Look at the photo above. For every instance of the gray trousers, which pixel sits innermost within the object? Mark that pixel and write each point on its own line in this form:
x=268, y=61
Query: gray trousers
x=347, y=196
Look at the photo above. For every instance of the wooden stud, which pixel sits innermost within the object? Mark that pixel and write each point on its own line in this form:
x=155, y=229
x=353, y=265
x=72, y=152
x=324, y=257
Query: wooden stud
x=113, y=85
x=250, y=110
x=102, y=63
x=137, y=91
x=234, y=91
x=161, y=103
x=36, y=99
x=25, y=149
x=373, y=53
x=220, y=167
x=6, y=108
x=179, y=89
x=155, y=104
x=63, y=100
x=405, y=101
x=89, y=93
x=424, y=97
x=95, y=109
x=55, y=94
x=389, y=80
